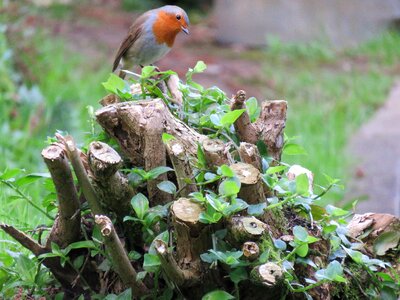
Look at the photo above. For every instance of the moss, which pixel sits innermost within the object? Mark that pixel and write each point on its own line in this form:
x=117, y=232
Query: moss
x=357, y=279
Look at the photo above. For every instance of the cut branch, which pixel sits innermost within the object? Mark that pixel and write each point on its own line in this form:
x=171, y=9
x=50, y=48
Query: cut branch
x=244, y=229
x=193, y=237
x=119, y=258
x=216, y=152
x=268, y=128
x=170, y=266
x=249, y=154
x=111, y=186
x=251, y=189
x=66, y=229
x=182, y=168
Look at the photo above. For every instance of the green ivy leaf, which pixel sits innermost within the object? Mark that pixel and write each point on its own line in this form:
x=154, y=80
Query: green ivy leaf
x=302, y=185
x=117, y=86
x=253, y=109
x=166, y=137
x=140, y=205
x=334, y=272
x=277, y=169
x=256, y=209
x=336, y=211
x=230, y=117
x=300, y=233
x=217, y=295
x=201, y=157
x=167, y=186
x=224, y=170
x=154, y=173
x=151, y=262
x=302, y=250
x=386, y=241
x=229, y=187
x=294, y=149
x=199, y=67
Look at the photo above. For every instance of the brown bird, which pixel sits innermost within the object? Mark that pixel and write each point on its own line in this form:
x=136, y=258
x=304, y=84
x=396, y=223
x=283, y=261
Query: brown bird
x=151, y=37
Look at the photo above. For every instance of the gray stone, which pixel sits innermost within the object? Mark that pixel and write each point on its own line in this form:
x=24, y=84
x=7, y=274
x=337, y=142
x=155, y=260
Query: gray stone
x=342, y=22
x=376, y=148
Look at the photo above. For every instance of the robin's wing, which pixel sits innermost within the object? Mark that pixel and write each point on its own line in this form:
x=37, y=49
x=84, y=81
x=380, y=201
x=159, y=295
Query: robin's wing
x=133, y=34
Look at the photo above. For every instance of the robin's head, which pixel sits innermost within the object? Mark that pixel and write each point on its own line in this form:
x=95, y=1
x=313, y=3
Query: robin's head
x=169, y=21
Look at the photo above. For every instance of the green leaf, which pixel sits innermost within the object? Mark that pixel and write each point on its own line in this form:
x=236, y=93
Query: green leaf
x=277, y=169
x=253, y=109
x=224, y=170
x=294, y=149
x=78, y=262
x=336, y=211
x=230, y=117
x=386, y=241
x=148, y=71
x=302, y=185
x=300, y=233
x=217, y=295
x=140, y=205
x=199, y=67
x=334, y=272
x=167, y=186
x=81, y=245
x=31, y=178
x=210, y=215
x=154, y=173
x=302, y=250
x=8, y=174
x=117, y=86
x=201, y=157
x=151, y=262
x=167, y=137
x=216, y=120
x=279, y=244
x=229, y=187
x=256, y=209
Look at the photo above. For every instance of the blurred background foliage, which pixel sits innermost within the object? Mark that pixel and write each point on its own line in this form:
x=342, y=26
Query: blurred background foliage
x=46, y=85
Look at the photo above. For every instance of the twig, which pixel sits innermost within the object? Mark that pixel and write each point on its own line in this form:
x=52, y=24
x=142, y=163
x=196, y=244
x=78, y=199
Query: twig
x=82, y=176
x=23, y=196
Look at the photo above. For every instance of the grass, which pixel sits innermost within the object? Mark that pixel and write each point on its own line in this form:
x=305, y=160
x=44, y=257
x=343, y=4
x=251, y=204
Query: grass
x=330, y=95
x=34, y=110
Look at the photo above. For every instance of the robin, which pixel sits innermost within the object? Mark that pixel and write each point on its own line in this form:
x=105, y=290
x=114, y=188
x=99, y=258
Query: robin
x=151, y=37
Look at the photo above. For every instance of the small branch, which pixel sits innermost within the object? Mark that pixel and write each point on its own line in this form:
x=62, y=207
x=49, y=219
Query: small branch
x=120, y=260
x=25, y=197
x=168, y=263
x=82, y=176
x=24, y=240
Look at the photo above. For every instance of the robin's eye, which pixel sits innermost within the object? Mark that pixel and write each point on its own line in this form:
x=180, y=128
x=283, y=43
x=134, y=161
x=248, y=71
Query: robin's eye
x=178, y=17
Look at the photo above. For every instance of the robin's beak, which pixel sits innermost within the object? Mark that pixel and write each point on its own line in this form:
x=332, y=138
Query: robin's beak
x=185, y=29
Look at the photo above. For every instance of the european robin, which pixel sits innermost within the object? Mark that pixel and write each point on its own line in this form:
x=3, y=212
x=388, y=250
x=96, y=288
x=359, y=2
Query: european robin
x=151, y=37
